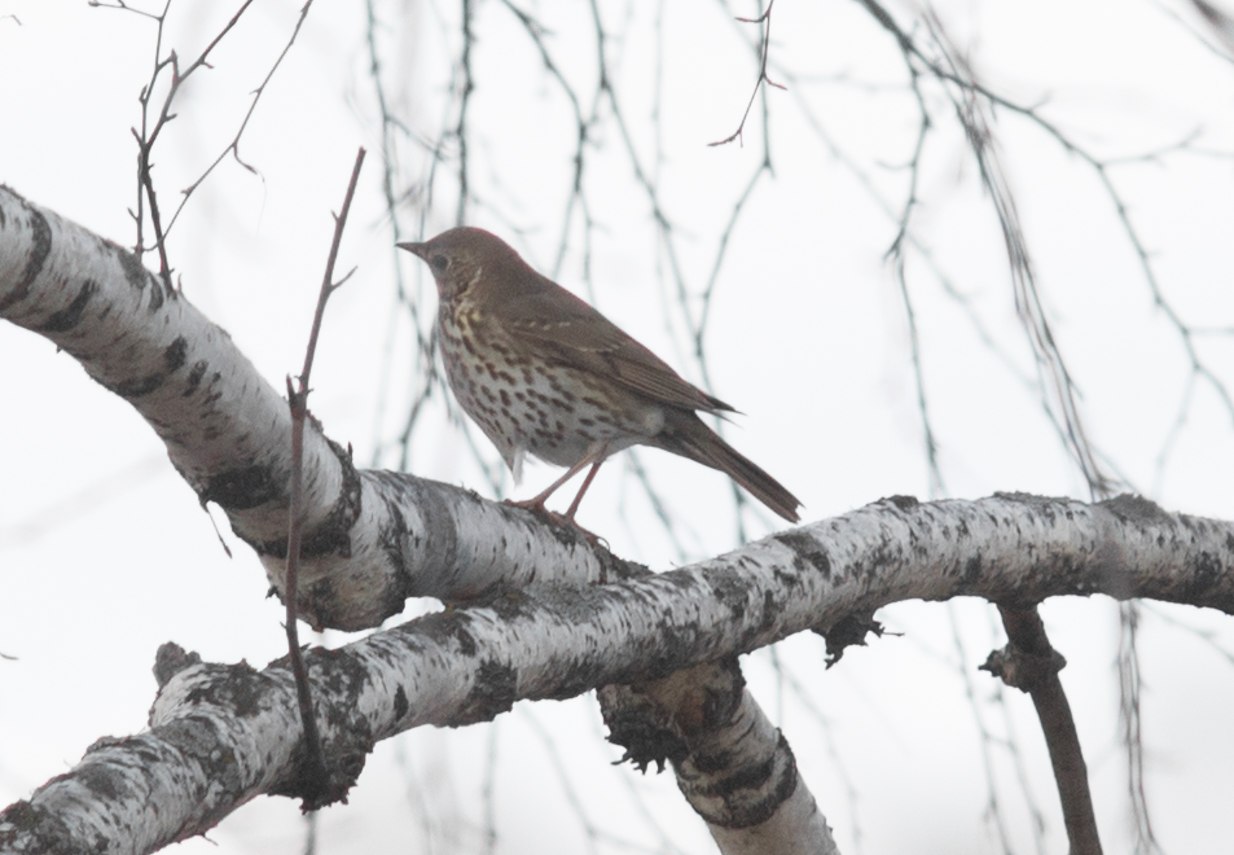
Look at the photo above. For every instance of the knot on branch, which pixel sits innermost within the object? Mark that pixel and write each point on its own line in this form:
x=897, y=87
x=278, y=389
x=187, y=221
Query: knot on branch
x=1028, y=662
x=323, y=775
x=318, y=786
x=1022, y=670
x=664, y=720
x=847, y=632
x=170, y=660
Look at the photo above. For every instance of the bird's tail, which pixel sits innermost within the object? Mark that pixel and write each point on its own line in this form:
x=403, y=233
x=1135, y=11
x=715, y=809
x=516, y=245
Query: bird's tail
x=690, y=437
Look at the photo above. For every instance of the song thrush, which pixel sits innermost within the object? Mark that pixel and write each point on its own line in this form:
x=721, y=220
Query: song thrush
x=542, y=372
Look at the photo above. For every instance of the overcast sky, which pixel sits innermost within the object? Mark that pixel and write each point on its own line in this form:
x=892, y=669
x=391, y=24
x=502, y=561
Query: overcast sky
x=105, y=553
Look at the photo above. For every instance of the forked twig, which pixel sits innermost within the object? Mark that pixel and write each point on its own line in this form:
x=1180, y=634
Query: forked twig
x=765, y=20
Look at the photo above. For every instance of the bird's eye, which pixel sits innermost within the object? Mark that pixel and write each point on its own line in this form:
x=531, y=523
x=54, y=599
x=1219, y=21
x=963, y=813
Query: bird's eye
x=439, y=262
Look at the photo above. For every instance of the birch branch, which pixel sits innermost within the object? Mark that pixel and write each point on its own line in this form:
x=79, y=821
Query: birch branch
x=733, y=765
x=371, y=538
x=221, y=735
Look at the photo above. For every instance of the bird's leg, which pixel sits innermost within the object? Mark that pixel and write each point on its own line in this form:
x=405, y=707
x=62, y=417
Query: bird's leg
x=594, y=459
x=536, y=502
x=595, y=467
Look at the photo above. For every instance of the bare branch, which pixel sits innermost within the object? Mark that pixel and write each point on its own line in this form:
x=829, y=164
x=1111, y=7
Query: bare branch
x=470, y=664
x=321, y=786
x=1031, y=664
x=765, y=20
x=154, y=121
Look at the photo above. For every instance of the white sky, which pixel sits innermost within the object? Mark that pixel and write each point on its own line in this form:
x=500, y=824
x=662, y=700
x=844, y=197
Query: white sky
x=104, y=553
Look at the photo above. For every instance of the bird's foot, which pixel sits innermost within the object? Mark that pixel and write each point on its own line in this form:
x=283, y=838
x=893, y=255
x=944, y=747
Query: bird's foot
x=536, y=506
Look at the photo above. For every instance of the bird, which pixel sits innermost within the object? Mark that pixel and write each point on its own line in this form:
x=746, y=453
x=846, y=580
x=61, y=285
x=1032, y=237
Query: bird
x=544, y=373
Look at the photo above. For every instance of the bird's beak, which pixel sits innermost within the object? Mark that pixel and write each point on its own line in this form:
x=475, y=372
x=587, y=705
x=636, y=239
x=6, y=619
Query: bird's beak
x=418, y=249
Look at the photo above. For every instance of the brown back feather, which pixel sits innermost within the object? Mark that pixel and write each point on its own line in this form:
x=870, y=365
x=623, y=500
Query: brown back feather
x=580, y=336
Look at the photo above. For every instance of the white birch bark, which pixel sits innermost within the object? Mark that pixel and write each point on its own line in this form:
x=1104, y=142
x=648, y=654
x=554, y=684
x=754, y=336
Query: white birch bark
x=221, y=735
x=371, y=539
x=733, y=765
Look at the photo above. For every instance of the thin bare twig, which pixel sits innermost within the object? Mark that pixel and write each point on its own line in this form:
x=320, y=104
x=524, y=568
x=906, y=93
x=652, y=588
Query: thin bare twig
x=995, y=813
x=316, y=778
x=155, y=120
x=972, y=104
x=1130, y=692
x=937, y=484
x=460, y=131
x=233, y=147
x=148, y=135
x=765, y=49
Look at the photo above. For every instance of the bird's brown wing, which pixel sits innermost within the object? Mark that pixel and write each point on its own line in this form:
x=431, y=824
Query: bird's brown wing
x=565, y=328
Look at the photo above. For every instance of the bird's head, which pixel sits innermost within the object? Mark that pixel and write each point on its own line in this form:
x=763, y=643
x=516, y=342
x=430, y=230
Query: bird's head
x=460, y=256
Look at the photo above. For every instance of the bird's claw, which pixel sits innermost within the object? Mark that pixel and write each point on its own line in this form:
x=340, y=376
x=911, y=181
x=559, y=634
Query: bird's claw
x=560, y=520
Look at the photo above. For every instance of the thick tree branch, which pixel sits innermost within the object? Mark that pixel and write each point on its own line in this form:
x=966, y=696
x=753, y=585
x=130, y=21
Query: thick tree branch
x=375, y=538
x=732, y=764
x=371, y=538
x=230, y=733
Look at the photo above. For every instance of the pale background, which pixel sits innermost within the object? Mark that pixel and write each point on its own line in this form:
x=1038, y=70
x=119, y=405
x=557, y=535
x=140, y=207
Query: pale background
x=104, y=553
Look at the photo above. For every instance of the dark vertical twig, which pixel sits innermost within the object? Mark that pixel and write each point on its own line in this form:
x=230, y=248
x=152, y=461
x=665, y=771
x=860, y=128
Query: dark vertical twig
x=1030, y=664
x=316, y=777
